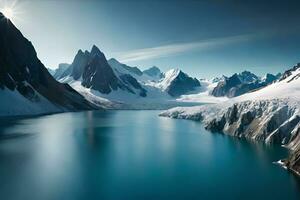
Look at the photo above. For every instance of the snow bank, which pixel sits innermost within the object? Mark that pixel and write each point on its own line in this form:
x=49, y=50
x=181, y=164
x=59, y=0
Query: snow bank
x=14, y=104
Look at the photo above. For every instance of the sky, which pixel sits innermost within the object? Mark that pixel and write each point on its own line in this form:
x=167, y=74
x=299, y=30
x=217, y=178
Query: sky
x=203, y=38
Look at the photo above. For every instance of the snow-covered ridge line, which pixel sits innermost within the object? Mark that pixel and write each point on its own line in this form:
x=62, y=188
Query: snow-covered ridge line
x=267, y=120
x=271, y=121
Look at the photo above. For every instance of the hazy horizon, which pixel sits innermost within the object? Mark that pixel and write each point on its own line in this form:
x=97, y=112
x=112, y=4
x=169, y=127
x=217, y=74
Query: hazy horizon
x=203, y=38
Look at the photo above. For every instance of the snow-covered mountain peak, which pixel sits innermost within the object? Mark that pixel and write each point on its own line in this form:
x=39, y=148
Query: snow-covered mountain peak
x=177, y=83
x=269, y=78
x=172, y=73
x=169, y=77
x=287, y=87
x=241, y=83
x=294, y=70
x=247, y=77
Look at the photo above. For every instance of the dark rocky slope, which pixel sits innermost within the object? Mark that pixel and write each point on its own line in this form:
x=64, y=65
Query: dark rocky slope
x=22, y=71
x=177, y=83
x=95, y=72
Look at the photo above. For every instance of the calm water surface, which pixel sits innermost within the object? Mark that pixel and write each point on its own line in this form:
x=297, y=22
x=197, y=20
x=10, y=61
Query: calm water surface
x=134, y=155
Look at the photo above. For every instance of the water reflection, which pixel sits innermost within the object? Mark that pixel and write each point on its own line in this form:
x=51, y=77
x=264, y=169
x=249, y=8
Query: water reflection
x=134, y=155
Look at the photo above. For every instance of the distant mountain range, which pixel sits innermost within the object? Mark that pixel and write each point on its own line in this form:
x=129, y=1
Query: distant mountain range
x=242, y=83
x=98, y=79
x=94, y=76
x=97, y=82
x=26, y=87
x=116, y=77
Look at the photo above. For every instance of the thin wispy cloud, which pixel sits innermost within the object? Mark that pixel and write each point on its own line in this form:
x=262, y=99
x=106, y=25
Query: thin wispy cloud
x=177, y=48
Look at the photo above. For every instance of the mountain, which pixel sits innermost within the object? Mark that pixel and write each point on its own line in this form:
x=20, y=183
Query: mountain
x=118, y=85
x=241, y=83
x=177, y=83
x=99, y=75
x=154, y=72
x=218, y=79
x=270, y=78
x=271, y=114
x=247, y=77
x=58, y=73
x=122, y=68
x=26, y=86
x=51, y=71
x=289, y=72
x=75, y=70
x=93, y=71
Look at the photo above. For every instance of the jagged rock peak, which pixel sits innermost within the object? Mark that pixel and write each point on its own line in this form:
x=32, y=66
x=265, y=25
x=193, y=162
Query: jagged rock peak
x=80, y=52
x=23, y=73
x=96, y=51
x=269, y=78
x=177, y=83
x=247, y=77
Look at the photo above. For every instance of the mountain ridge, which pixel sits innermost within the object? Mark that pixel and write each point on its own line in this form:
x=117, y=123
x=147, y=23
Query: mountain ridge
x=110, y=77
x=241, y=83
x=23, y=74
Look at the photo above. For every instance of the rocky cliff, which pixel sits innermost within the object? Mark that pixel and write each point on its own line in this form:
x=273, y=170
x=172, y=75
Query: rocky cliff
x=22, y=75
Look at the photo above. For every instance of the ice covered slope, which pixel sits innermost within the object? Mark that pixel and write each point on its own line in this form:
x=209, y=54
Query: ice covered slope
x=271, y=114
x=13, y=103
x=203, y=95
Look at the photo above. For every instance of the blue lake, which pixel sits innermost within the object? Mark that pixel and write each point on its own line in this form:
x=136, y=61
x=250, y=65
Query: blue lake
x=134, y=155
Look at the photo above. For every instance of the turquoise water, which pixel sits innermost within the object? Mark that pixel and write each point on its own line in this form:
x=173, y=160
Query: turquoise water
x=134, y=155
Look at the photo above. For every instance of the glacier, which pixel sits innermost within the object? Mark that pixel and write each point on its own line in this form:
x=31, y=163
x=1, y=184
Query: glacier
x=271, y=114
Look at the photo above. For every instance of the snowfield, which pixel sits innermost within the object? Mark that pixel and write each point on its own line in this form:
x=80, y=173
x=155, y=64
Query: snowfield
x=15, y=104
x=203, y=96
x=120, y=99
x=156, y=98
x=271, y=114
